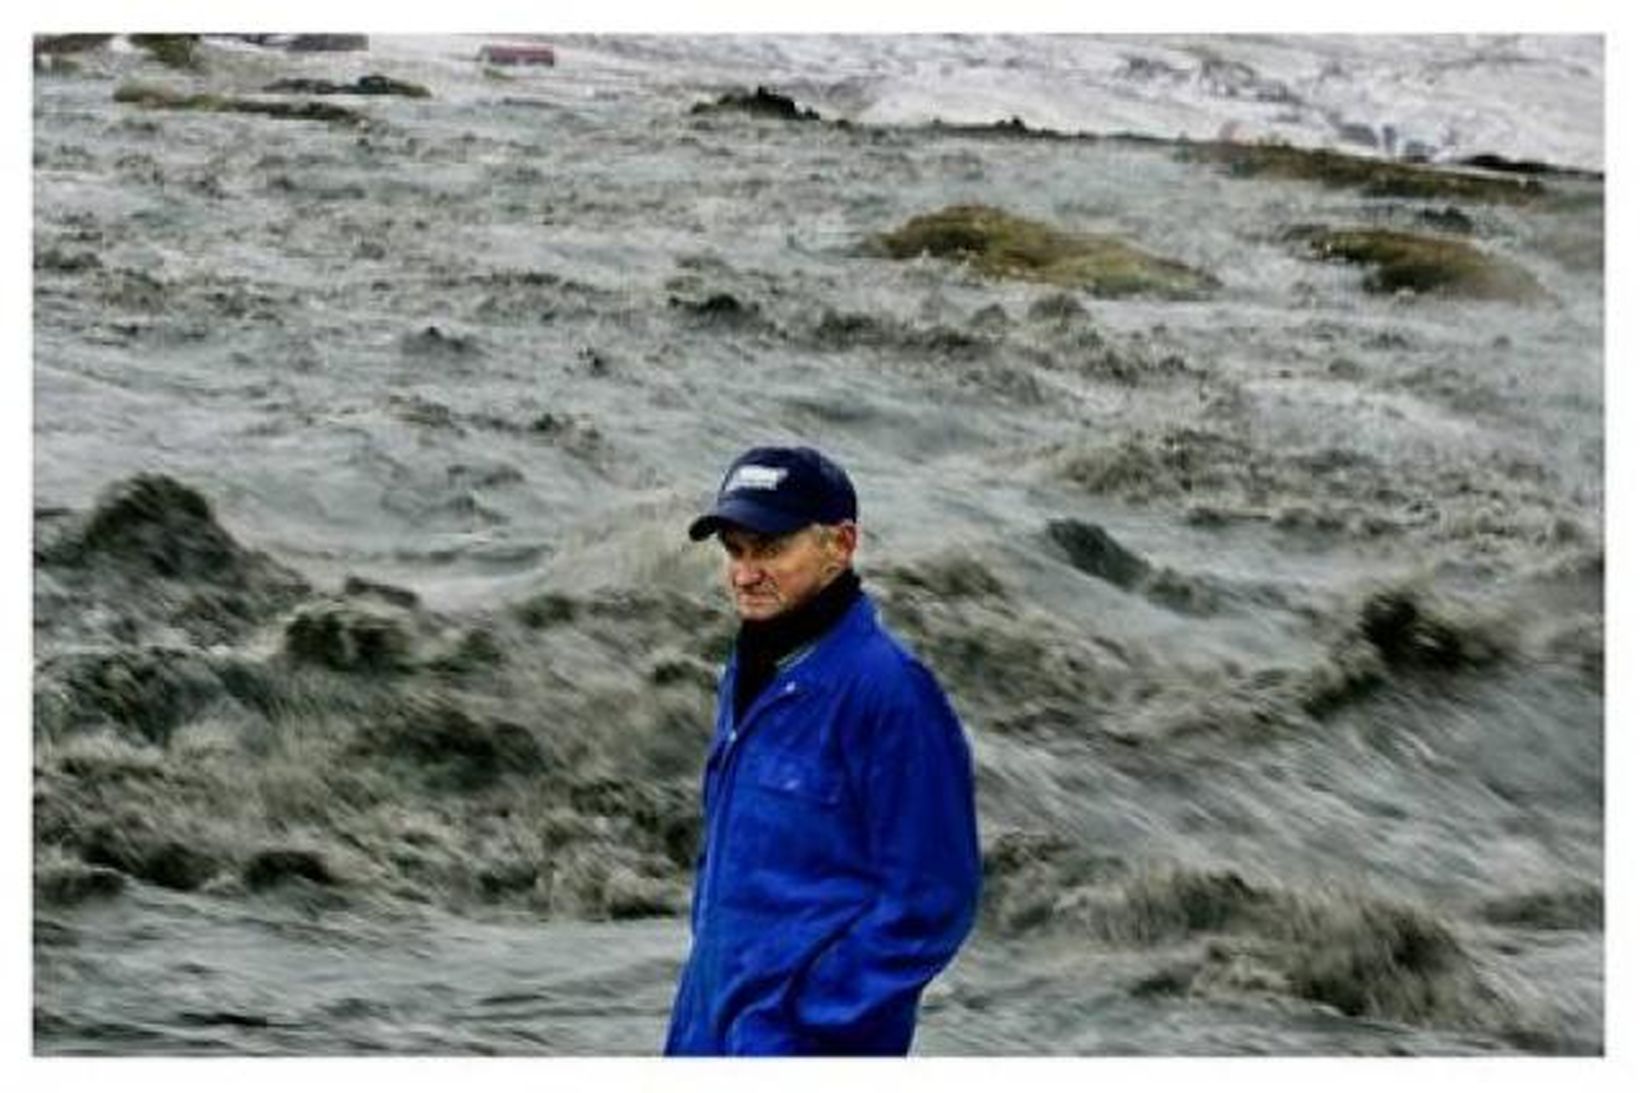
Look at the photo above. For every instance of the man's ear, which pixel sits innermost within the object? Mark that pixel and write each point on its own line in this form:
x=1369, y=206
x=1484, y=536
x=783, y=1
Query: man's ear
x=844, y=541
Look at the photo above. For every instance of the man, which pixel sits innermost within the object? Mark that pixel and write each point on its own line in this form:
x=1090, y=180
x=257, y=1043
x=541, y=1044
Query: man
x=840, y=863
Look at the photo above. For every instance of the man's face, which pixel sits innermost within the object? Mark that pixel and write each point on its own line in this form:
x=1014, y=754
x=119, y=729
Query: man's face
x=769, y=575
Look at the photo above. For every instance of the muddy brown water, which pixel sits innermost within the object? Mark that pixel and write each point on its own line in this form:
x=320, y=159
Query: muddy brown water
x=1275, y=617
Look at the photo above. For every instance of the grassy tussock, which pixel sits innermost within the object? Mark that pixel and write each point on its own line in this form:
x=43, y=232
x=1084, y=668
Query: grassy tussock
x=159, y=98
x=1372, y=177
x=999, y=244
x=1422, y=264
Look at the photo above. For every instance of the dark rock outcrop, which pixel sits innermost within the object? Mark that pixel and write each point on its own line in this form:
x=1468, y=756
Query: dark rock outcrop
x=372, y=84
x=762, y=103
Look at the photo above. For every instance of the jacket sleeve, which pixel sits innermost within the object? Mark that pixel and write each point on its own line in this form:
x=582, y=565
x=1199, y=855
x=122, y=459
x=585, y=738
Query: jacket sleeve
x=915, y=786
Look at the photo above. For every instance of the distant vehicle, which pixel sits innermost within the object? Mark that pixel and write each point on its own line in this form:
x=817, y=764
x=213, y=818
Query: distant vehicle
x=517, y=55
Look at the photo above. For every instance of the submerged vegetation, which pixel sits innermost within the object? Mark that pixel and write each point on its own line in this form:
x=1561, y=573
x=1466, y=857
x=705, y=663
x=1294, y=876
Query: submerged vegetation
x=1408, y=262
x=1000, y=244
x=171, y=50
x=1373, y=177
x=159, y=98
x=1360, y=955
x=61, y=44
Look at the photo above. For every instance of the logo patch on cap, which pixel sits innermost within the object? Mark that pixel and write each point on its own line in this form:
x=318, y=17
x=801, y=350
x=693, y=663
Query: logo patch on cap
x=753, y=477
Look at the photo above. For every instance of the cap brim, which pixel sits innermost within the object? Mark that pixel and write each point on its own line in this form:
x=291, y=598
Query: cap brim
x=740, y=512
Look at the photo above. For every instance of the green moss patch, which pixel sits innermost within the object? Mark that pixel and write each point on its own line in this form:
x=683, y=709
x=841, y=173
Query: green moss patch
x=999, y=244
x=159, y=98
x=1404, y=261
x=171, y=50
x=1373, y=177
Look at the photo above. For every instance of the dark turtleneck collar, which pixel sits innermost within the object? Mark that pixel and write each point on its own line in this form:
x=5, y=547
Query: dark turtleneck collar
x=762, y=645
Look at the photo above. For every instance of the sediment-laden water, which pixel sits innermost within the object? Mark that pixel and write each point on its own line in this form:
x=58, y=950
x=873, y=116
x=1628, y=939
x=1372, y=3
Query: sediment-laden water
x=373, y=667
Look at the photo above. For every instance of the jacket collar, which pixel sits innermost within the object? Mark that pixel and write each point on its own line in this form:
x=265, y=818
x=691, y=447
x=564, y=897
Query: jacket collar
x=808, y=666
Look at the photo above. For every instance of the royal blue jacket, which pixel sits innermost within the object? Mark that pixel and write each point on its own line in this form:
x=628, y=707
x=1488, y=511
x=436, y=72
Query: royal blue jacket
x=840, y=868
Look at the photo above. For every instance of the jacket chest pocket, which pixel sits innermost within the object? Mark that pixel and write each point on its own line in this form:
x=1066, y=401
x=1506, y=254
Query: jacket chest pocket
x=795, y=778
x=791, y=829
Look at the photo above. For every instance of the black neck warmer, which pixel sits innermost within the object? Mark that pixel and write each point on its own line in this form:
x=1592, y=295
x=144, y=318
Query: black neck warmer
x=761, y=646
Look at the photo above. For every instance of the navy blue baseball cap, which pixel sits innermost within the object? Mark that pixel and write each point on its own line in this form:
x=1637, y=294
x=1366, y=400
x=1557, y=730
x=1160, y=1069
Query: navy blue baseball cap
x=778, y=490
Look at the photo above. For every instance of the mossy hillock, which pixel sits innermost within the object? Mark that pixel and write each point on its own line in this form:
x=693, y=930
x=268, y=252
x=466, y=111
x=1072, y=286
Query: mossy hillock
x=1361, y=955
x=172, y=50
x=1370, y=176
x=1421, y=264
x=1000, y=244
x=152, y=552
x=160, y=98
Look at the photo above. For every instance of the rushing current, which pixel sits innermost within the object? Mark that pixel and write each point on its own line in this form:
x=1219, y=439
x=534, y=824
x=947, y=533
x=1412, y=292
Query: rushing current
x=373, y=667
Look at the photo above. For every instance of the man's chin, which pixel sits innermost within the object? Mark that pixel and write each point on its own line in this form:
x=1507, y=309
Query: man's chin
x=757, y=611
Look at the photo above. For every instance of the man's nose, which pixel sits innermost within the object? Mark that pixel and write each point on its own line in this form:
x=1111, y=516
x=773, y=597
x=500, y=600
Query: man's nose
x=744, y=573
